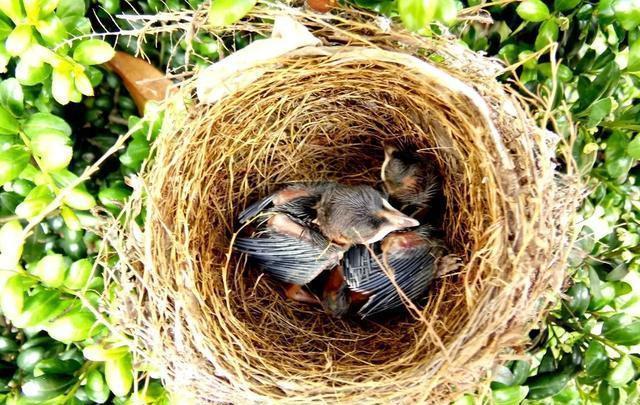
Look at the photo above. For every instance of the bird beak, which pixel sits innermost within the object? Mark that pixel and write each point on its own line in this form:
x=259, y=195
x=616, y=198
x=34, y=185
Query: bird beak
x=388, y=154
x=395, y=221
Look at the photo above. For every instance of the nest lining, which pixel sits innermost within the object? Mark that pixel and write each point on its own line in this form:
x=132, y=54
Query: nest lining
x=218, y=331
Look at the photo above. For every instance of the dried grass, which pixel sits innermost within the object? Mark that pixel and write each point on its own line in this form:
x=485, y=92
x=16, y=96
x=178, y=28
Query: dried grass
x=215, y=331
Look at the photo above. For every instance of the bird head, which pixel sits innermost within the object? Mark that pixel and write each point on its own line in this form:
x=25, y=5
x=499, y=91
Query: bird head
x=358, y=215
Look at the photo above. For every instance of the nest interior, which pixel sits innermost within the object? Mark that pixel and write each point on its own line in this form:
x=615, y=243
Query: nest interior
x=214, y=328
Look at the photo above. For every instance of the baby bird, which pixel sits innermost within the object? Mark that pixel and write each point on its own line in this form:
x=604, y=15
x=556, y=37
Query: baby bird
x=305, y=229
x=409, y=179
x=410, y=256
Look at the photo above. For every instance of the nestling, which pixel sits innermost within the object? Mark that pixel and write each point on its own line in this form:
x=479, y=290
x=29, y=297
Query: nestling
x=409, y=179
x=305, y=229
x=411, y=258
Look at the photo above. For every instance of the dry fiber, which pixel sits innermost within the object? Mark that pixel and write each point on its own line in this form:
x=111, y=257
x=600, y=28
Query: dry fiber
x=213, y=329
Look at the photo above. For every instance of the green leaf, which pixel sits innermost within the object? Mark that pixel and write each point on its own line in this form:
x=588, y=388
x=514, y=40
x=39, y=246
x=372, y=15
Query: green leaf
x=19, y=40
x=35, y=202
x=45, y=122
x=12, y=9
x=52, y=269
x=596, y=360
x=446, y=11
x=627, y=12
x=79, y=274
x=598, y=111
x=78, y=198
x=417, y=14
x=533, y=10
x=119, y=375
x=12, y=97
x=564, y=5
x=579, y=298
x=83, y=84
x=547, y=34
x=52, y=30
x=12, y=162
x=62, y=85
x=622, y=373
x=633, y=148
x=8, y=123
x=56, y=366
x=40, y=308
x=69, y=8
x=617, y=163
x=510, y=395
x=633, y=61
x=590, y=91
x=547, y=363
x=547, y=384
x=29, y=357
x=12, y=296
x=31, y=74
x=622, y=329
x=8, y=345
x=227, y=12
x=93, y=52
x=46, y=387
x=96, y=387
x=608, y=395
x=11, y=243
x=72, y=327
x=520, y=370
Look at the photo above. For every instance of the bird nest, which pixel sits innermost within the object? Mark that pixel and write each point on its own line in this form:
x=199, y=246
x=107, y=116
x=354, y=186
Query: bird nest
x=214, y=329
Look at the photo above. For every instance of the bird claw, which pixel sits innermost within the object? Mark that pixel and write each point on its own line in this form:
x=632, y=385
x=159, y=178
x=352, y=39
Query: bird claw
x=448, y=264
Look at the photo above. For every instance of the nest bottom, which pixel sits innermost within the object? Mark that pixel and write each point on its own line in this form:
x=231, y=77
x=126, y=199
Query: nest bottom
x=219, y=332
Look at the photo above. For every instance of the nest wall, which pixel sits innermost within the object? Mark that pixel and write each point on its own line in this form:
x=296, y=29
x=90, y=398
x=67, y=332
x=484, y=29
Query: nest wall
x=214, y=329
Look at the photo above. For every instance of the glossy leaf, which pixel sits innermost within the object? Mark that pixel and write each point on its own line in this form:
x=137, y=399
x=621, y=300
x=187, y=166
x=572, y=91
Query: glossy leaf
x=79, y=274
x=52, y=30
x=39, y=122
x=69, y=8
x=622, y=329
x=52, y=269
x=35, y=202
x=547, y=34
x=633, y=149
x=547, y=384
x=226, y=12
x=56, y=366
x=12, y=162
x=8, y=123
x=19, y=40
x=119, y=375
x=622, y=373
x=596, y=360
x=96, y=388
x=564, y=5
x=533, y=10
x=93, y=52
x=608, y=395
x=509, y=395
x=40, y=308
x=62, y=85
x=417, y=14
x=12, y=97
x=73, y=327
x=627, y=12
x=617, y=163
x=46, y=387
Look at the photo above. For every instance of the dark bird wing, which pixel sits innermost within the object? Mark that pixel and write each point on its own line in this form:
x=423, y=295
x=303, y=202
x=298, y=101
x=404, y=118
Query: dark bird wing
x=291, y=259
x=298, y=201
x=413, y=271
